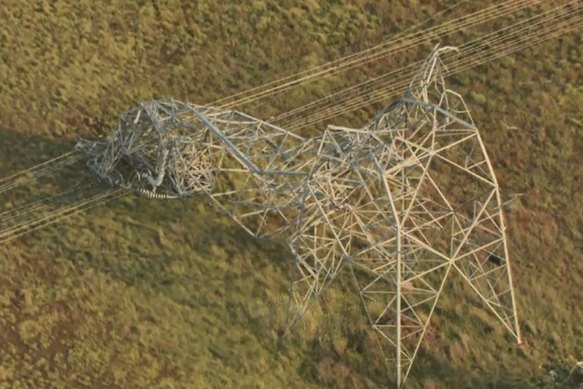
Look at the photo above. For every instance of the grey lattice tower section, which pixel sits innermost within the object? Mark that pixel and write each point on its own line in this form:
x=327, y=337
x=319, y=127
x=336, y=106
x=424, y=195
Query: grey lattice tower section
x=251, y=169
x=400, y=203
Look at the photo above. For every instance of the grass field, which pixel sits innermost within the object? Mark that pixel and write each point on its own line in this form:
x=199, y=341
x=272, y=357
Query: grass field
x=143, y=293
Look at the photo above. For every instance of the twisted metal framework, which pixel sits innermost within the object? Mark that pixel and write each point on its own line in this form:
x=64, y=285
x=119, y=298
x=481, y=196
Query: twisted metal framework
x=402, y=203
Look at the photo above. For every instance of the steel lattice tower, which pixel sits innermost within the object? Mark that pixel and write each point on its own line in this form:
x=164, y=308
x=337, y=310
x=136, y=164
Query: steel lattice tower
x=400, y=203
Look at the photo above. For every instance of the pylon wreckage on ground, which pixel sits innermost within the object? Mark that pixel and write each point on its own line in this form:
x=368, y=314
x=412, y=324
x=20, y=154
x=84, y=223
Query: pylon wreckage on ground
x=400, y=203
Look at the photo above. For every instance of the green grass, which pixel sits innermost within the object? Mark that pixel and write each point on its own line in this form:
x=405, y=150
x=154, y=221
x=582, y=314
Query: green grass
x=144, y=293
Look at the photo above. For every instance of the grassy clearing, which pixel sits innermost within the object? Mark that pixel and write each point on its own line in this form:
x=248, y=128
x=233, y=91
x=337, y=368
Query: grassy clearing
x=172, y=294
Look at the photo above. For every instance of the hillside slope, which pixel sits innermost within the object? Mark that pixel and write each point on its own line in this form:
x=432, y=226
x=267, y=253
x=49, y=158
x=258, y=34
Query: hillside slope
x=142, y=293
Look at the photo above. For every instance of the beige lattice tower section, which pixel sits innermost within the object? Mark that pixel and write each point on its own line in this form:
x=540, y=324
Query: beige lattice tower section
x=402, y=203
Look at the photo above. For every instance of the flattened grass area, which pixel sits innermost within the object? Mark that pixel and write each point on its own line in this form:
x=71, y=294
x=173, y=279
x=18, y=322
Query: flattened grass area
x=143, y=293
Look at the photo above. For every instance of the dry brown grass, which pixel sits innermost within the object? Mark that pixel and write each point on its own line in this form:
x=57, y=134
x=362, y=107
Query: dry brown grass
x=148, y=294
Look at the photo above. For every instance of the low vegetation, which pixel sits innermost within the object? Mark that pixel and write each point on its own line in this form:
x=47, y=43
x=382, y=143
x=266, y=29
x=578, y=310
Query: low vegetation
x=143, y=293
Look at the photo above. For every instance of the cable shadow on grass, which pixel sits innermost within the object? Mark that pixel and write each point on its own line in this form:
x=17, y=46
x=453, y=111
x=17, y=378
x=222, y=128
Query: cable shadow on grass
x=135, y=240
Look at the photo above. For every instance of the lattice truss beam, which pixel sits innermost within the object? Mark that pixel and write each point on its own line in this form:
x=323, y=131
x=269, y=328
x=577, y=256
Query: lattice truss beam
x=401, y=203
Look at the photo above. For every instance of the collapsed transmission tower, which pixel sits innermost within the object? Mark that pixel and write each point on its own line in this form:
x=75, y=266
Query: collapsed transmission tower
x=400, y=203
